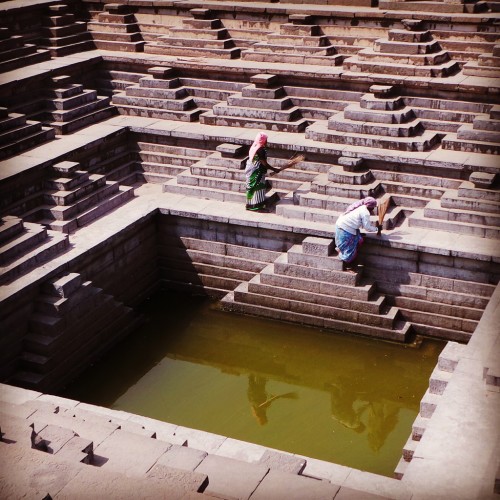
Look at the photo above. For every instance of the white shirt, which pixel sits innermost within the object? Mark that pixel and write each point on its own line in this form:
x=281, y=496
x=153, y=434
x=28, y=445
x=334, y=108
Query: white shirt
x=356, y=219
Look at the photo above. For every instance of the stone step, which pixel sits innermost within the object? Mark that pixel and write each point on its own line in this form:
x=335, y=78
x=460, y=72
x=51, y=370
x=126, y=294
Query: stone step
x=65, y=91
x=118, y=46
x=301, y=36
x=319, y=132
x=124, y=194
x=451, y=291
x=340, y=122
x=176, y=105
x=26, y=129
x=97, y=28
x=399, y=334
x=168, y=149
x=258, y=113
x=167, y=169
x=468, y=132
x=463, y=327
x=84, y=109
x=206, y=42
x=216, y=247
x=434, y=210
x=252, y=54
x=278, y=104
x=409, y=449
x=68, y=103
x=40, y=55
x=428, y=404
x=157, y=48
x=184, y=116
x=362, y=291
x=206, y=258
x=472, y=315
x=376, y=304
x=94, y=182
x=452, y=199
x=400, y=469
x=17, y=52
x=62, y=31
x=355, y=64
x=31, y=236
x=302, y=49
x=418, y=427
x=285, y=301
x=418, y=219
x=53, y=245
x=438, y=381
x=87, y=202
x=68, y=183
x=10, y=227
x=100, y=110
x=209, y=118
x=12, y=121
x=155, y=94
x=440, y=333
x=452, y=143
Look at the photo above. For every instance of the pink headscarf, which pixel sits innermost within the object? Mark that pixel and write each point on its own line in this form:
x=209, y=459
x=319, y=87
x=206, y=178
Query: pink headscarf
x=260, y=141
x=368, y=201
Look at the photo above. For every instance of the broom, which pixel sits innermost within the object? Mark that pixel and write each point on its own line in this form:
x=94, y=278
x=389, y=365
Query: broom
x=382, y=210
x=294, y=160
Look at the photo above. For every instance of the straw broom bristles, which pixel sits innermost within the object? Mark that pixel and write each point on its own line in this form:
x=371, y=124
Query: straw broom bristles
x=294, y=160
x=382, y=209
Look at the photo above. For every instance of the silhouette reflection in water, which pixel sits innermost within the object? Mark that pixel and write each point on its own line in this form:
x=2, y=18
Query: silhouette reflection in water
x=260, y=400
x=356, y=410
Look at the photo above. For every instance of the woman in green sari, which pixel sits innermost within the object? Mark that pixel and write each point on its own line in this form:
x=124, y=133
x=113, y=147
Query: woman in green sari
x=255, y=174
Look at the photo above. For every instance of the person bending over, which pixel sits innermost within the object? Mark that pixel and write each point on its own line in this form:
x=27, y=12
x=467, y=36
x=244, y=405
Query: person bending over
x=347, y=230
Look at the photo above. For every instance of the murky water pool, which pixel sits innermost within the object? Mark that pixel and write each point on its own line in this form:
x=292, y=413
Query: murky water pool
x=344, y=399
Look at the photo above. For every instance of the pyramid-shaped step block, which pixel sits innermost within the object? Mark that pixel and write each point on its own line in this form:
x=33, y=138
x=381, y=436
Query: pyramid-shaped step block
x=25, y=246
x=70, y=107
x=18, y=134
x=320, y=132
x=64, y=36
x=203, y=35
x=74, y=198
x=59, y=342
x=158, y=96
x=122, y=25
x=262, y=104
x=14, y=53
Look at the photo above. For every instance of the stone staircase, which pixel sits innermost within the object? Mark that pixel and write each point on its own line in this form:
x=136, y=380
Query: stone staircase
x=17, y=134
x=300, y=41
x=487, y=65
x=111, y=453
x=308, y=285
x=204, y=36
x=159, y=95
x=439, y=302
x=116, y=29
x=111, y=81
x=73, y=323
x=159, y=163
x=406, y=52
x=25, y=246
x=14, y=53
x=62, y=34
x=435, y=6
x=480, y=136
x=73, y=198
x=447, y=361
x=263, y=104
x=380, y=120
x=220, y=176
x=188, y=263
x=70, y=107
x=471, y=208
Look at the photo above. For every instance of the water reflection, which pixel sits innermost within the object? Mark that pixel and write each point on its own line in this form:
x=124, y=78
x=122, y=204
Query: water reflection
x=339, y=398
x=260, y=400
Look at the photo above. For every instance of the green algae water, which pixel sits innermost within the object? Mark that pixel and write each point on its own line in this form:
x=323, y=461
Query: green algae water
x=334, y=397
